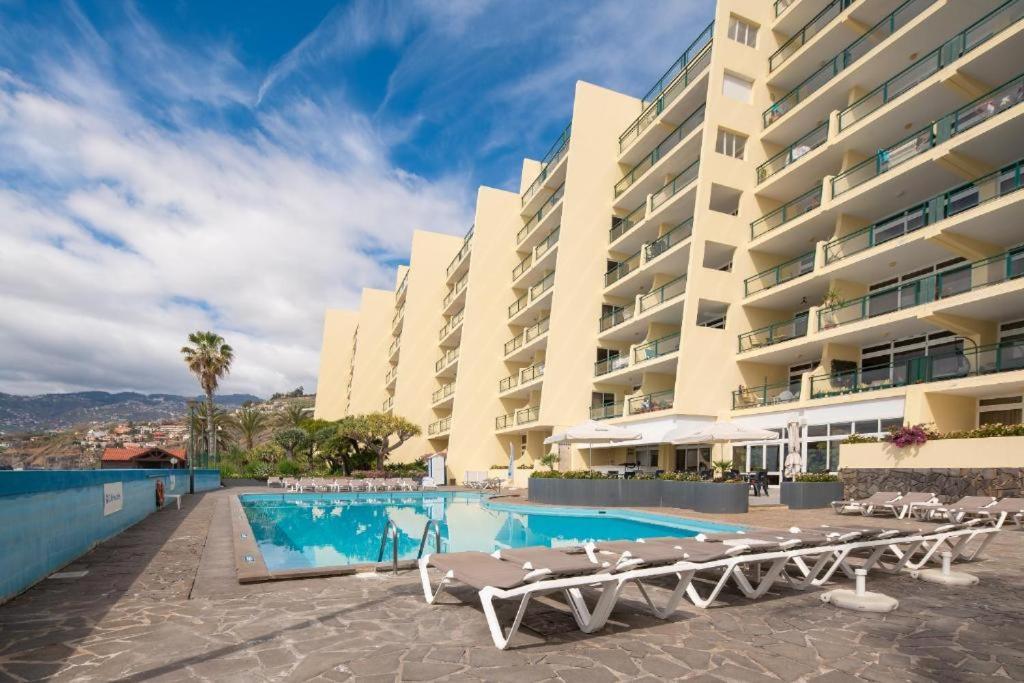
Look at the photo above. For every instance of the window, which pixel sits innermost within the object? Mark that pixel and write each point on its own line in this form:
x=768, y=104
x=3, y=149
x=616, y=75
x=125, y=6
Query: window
x=737, y=88
x=742, y=31
x=599, y=399
x=1007, y=410
x=731, y=144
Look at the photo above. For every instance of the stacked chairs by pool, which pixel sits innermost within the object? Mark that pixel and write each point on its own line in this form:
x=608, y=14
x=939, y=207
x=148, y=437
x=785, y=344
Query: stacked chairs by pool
x=753, y=561
x=336, y=485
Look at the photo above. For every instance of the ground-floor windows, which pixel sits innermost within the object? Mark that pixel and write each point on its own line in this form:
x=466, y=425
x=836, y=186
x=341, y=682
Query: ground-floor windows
x=643, y=456
x=1007, y=410
x=822, y=442
x=693, y=459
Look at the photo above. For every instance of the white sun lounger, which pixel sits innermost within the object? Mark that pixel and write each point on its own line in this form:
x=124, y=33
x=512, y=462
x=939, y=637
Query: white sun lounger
x=865, y=506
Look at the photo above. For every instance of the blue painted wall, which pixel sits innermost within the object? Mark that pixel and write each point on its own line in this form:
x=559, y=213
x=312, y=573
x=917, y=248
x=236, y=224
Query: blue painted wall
x=50, y=517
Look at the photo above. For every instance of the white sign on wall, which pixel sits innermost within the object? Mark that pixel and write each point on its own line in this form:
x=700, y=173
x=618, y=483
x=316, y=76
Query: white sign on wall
x=172, y=483
x=113, y=498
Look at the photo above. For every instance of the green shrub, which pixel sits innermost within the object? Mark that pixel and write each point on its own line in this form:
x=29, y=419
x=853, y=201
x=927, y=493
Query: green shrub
x=807, y=477
x=524, y=467
x=583, y=474
x=984, y=432
x=680, y=476
x=858, y=438
x=259, y=470
x=546, y=474
x=229, y=471
x=289, y=468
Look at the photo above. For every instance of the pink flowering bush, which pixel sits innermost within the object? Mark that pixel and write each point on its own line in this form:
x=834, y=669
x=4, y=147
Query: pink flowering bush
x=905, y=436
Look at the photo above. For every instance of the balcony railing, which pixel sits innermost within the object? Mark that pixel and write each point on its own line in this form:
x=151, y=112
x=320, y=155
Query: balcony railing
x=765, y=395
x=949, y=126
x=946, y=283
x=521, y=267
x=395, y=345
x=670, y=189
x=656, y=348
x=603, y=367
x=527, y=335
x=784, y=272
x=546, y=244
x=391, y=375
x=388, y=404
x=690, y=64
x=953, y=364
x=453, y=324
x=456, y=290
x=402, y=286
x=620, y=226
x=517, y=305
x=809, y=30
x=649, y=403
x=616, y=316
x=527, y=375
x=504, y=421
x=986, y=28
x=776, y=333
x=440, y=427
x=527, y=415
x=678, y=234
x=549, y=161
x=816, y=138
x=808, y=201
x=463, y=251
x=782, y=5
x=443, y=393
x=606, y=412
x=669, y=290
x=543, y=286
x=446, y=359
x=671, y=140
x=622, y=269
x=507, y=383
x=853, y=52
x=513, y=344
x=948, y=204
x=543, y=211
x=397, y=317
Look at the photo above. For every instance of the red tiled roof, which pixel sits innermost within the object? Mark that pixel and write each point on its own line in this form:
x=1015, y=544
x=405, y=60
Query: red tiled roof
x=127, y=454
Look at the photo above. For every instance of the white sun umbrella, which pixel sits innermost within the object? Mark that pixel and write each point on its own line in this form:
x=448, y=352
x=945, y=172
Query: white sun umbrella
x=591, y=432
x=793, y=459
x=718, y=433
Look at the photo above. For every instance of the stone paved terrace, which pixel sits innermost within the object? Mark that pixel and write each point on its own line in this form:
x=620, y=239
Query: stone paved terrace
x=159, y=603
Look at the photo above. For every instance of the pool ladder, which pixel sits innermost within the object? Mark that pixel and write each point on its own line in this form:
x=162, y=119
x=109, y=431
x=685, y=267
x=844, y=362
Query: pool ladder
x=391, y=531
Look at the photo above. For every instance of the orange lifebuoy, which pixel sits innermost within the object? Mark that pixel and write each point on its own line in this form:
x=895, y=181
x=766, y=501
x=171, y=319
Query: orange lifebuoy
x=159, y=493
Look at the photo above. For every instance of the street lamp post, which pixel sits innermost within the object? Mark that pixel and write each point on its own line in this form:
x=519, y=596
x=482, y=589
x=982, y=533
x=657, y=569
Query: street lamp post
x=191, y=448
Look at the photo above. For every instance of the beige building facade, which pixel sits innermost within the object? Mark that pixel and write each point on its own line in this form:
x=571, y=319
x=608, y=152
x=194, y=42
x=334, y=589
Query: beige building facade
x=810, y=219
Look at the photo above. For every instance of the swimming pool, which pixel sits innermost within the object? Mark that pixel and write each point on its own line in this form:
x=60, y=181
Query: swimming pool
x=314, y=530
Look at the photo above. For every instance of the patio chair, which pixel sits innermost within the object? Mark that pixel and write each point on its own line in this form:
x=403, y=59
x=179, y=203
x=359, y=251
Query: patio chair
x=905, y=505
x=951, y=510
x=428, y=483
x=1005, y=509
x=273, y=481
x=865, y=506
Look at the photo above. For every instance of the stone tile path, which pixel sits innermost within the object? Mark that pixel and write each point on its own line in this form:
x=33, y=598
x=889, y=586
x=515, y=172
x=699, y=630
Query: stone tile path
x=155, y=606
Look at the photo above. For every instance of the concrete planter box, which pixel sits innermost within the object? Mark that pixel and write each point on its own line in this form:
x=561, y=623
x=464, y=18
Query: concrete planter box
x=719, y=498
x=810, y=494
x=699, y=496
x=678, y=494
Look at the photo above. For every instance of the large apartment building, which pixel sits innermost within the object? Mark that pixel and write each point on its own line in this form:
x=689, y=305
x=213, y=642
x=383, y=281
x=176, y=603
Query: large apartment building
x=810, y=218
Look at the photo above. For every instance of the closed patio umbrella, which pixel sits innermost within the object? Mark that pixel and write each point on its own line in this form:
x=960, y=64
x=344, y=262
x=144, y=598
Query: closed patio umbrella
x=793, y=459
x=591, y=432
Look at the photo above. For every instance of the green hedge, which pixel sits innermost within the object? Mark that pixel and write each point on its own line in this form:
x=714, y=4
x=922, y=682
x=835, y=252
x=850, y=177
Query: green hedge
x=808, y=477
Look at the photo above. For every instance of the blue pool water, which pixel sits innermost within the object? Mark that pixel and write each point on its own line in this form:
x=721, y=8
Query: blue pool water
x=305, y=530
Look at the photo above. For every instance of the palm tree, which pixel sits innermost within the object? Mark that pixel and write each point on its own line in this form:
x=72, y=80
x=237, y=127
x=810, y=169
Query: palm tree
x=222, y=423
x=250, y=423
x=209, y=359
x=294, y=415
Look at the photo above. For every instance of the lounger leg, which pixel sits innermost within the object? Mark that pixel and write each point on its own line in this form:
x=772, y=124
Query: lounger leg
x=593, y=620
x=429, y=592
x=683, y=580
x=704, y=603
x=501, y=640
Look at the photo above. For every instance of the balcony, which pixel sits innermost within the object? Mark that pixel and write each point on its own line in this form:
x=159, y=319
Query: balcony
x=446, y=335
x=393, y=351
x=644, y=357
x=522, y=267
x=618, y=318
x=670, y=141
x=808, y=31
x=518, y=305
x=691, y=64
x=978, y=33
x=396, y=321
x=442, y=394
x=391, y=377
x=622, y=269
x=445, y=365
x=672, y=187
x=620, y=226
x=460, y=262
x=547, y=208
x=877, y=34
x=765, y=395
x=455, y=295
x=780, y=274
x=400, y=292
x=505, y=421
x=607, y=412
x=990, y=359
x=440, y=428
x=676, y=235
x=946, y=205
x=533, y=301
x=944, y=284
x=816, y=138
x=527, y=415
x=656, y=348
x=776, y=333
x=549, y=161
x=650, y=403
x=949, y=126
x=522, y=381
x=669, y=290
x=522, y=341
x=791, y=210
x=603, y=367
x=388, y=405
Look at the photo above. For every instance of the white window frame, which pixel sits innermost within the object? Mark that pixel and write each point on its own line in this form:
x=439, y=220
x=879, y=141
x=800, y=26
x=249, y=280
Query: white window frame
x=731, y=144
x=743, y=31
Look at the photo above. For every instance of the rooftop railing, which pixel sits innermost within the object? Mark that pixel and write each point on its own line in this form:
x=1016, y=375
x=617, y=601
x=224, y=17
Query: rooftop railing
x=543, y=211
x=443, y=393
x=649, y=403
x=805, y=203
x=656, y=348
x=691, y=123
x=616, y=316
x=684, y=71
x=606, y=412
x=669, y=290
x=962, y=198
x=951, y=281
x=603, y=367
x=776, y=333
x=620, y=226
x=467, y=242
x=808, y=31
x=672, y=187
x=453, y=324
x=440, y=427
x=765, y=395
x=784, y=272
x=678, y=234
x=622, y=269
x=546, y=244
x=981, y=31
x=549, y=161
x=955, y=363
x=885, y=28
x=949, y=126
x=816, y=138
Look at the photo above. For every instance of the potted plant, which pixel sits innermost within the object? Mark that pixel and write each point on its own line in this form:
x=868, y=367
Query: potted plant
x=832, y=301
x=721, y=467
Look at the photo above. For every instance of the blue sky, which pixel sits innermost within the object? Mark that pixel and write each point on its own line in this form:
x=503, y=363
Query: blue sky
x=169, y=165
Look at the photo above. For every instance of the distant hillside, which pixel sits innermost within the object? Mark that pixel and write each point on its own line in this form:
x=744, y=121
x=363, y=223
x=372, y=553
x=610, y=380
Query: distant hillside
x=62, y=411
